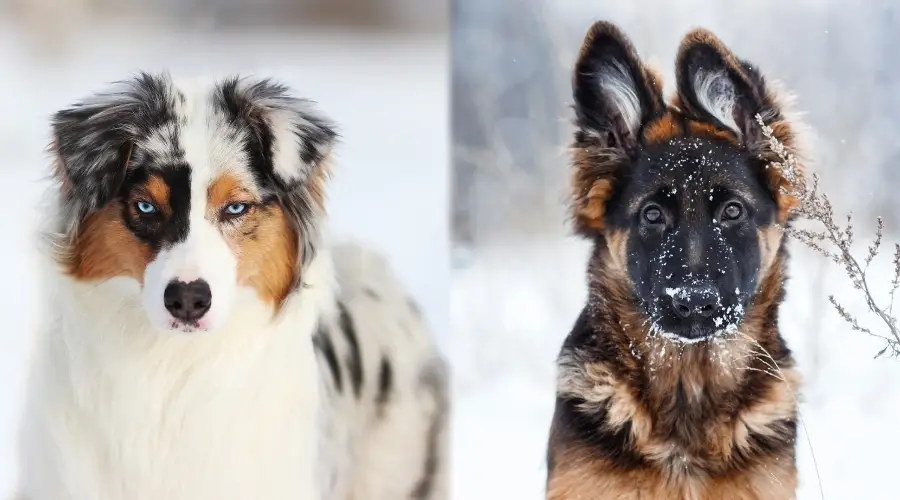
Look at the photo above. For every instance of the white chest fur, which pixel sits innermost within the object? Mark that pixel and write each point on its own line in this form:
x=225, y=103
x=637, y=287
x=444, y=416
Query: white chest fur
x=118, y=411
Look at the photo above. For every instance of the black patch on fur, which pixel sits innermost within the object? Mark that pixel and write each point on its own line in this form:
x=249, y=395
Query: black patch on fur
x=94, y=138
x=354, y=357
x=235, y=105
x=157, y=230
x=434, y=381
x=590, y=428
x=371, y=293
x=322, y=342
x=385, y=384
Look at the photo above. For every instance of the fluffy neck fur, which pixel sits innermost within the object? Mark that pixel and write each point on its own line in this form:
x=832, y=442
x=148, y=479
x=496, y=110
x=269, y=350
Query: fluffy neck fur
x=118, y=410
x=680, y=401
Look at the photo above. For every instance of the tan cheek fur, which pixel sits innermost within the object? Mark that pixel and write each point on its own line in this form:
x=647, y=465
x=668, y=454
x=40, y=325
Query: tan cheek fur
x=266, y=256
x=617, y=242
x=105, y=249
x=769, y=241
x=263, y=240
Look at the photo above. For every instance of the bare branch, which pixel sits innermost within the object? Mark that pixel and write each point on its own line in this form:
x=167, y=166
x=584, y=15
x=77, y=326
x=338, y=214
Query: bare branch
x=835, y=242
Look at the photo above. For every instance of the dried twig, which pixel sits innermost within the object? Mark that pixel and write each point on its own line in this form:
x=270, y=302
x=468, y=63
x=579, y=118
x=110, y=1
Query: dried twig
x=834, y=242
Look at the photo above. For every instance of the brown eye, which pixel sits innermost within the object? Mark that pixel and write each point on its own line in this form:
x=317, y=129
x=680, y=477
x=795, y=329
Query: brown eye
x=653, y=214
x=733, y=211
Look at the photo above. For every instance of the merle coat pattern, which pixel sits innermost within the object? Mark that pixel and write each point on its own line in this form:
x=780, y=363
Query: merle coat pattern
x=202, y=338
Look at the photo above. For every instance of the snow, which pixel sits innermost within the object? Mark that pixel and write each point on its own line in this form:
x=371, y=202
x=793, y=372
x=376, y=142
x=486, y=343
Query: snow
x=388, y=94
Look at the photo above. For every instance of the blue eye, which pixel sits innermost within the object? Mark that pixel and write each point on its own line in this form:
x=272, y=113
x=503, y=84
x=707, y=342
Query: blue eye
x=236, y=208
x=145, y=208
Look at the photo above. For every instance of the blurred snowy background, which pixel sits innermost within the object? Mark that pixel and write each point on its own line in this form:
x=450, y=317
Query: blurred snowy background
x=378, y=67
x=518, y=279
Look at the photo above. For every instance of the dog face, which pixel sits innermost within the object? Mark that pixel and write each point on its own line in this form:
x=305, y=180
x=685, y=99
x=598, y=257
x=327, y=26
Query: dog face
x=693, y=211
x=681, y=194
x=198, y=192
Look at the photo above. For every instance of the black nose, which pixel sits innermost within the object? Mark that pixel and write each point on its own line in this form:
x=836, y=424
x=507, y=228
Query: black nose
x=187, y=301
x=700, y=300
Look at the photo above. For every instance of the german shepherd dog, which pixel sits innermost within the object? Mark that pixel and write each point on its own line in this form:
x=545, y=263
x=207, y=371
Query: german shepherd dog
x=674, y=382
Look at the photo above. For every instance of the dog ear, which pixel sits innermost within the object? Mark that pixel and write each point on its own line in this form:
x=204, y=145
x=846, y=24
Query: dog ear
x=717, y=87
x=92, y=141
x=292, y=144
x=293, y=137
x=615, y=96
x=614, y=93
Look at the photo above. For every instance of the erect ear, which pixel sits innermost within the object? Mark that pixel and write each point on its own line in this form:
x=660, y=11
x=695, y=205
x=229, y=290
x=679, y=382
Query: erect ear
x=615, y=96
x=614, y=93
x=92, y=140
x=717, y=87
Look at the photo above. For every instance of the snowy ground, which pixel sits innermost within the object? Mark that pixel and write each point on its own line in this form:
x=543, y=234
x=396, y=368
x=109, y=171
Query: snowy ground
x=389, y=96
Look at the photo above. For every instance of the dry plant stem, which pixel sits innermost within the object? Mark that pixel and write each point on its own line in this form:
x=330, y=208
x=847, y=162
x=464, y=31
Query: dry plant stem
x=834, y=242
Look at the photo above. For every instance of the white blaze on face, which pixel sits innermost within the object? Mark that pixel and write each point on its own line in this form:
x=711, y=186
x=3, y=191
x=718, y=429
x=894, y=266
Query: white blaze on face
x=204, y=254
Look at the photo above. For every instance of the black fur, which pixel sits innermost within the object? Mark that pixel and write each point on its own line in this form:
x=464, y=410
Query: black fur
x=322, y=342
x=354, y=356
x=746, y=84
x=434, y=381
x=610, y=55
x=693, y=182
x=385, y=384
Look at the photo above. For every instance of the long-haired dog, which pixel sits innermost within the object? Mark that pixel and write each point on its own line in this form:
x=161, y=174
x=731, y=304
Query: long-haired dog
x=675, y=382
x=200, y=339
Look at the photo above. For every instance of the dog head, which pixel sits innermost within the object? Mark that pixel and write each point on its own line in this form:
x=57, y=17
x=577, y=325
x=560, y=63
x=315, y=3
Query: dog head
x=680, y=194
x=196, y=191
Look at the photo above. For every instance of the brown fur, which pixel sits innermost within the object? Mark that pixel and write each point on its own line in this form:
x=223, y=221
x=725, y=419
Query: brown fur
x=589, y=479
x=106, y=249
x=663, y=130
x=263, y=240
x=266, y=246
